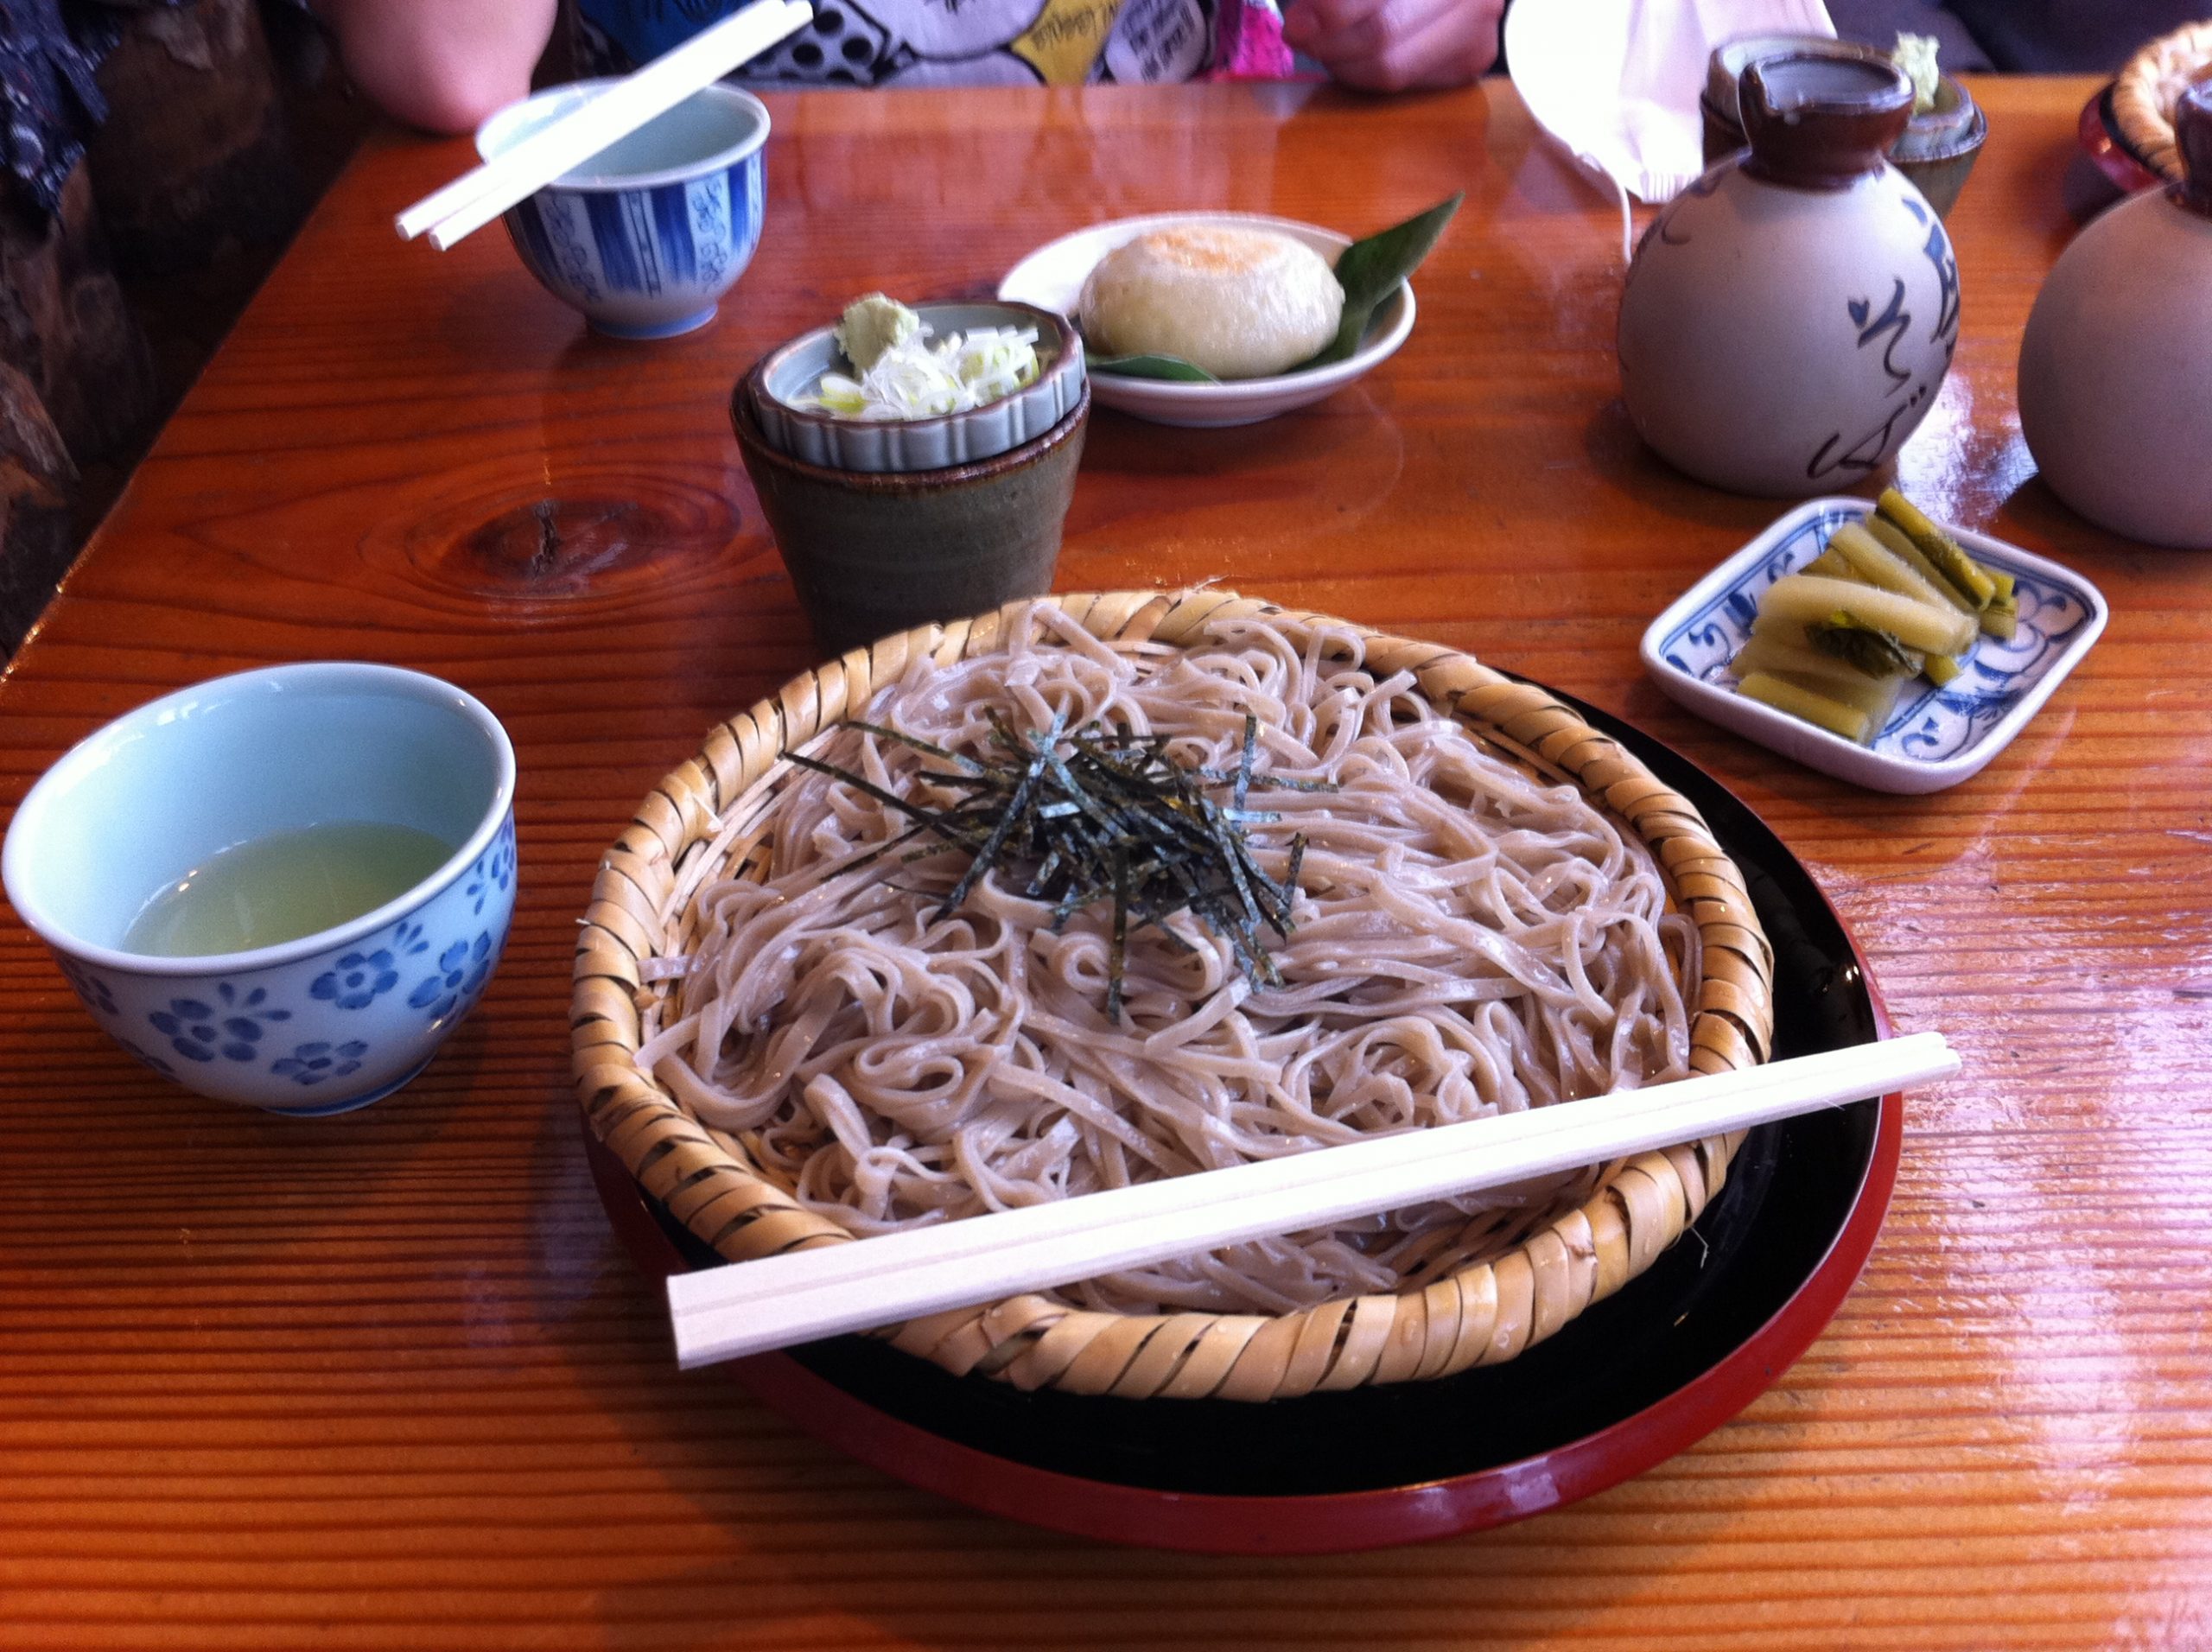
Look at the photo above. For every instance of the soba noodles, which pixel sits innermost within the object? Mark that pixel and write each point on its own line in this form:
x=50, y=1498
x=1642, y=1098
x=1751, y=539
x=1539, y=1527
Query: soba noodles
x=1469, y=940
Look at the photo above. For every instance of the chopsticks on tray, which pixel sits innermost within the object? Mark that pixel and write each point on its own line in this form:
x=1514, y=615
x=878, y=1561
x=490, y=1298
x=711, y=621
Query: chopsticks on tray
x=750, y=1307
x=476, y=198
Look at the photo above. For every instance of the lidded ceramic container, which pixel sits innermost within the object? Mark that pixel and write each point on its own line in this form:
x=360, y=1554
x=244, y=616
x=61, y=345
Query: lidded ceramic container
x=1789, y=317
x=2116, y=363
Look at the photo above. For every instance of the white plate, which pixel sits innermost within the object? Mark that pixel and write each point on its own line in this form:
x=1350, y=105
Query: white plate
x=1051, y=278
x=1936, y=737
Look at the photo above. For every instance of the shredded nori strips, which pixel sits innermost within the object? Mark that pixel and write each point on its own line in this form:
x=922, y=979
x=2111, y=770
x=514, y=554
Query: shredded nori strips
x=1103, y=813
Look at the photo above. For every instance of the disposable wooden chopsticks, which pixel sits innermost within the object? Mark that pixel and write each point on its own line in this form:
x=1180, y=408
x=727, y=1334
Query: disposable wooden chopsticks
x=750, y=1307
x=475, y=199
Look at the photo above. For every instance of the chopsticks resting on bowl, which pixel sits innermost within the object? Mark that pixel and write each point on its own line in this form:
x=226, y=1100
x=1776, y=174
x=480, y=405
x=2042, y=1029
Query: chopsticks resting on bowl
x=750, y=1307
x=476, y=198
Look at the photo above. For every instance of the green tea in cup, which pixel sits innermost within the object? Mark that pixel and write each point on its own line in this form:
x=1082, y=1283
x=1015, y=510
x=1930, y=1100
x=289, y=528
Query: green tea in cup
x=282, y=885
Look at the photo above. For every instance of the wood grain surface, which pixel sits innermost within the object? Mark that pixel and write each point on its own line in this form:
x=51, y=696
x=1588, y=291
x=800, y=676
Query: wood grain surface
x=386, y=1380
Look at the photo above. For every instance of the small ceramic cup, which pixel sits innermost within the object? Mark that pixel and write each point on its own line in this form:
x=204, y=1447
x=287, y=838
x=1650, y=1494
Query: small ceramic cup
x=330, y=1021
x=646, y=236
x=1939, y=148
x=788, y=374
x=875, y=552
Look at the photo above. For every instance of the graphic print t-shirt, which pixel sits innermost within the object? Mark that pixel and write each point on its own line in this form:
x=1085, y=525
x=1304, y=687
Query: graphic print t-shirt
x=938, y=42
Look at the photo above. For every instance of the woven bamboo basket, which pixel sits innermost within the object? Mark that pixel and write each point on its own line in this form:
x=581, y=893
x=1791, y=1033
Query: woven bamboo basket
x=1523, y=1275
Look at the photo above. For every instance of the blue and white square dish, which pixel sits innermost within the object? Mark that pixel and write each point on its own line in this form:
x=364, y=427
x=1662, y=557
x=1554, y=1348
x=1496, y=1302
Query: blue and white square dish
x=1936, y=737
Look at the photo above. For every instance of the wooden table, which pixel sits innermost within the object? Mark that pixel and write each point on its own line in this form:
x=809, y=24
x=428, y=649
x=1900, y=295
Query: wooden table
x=386, y=1380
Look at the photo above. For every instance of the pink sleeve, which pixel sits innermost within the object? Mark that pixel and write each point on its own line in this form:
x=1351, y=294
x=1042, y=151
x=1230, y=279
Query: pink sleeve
x=1248, y=44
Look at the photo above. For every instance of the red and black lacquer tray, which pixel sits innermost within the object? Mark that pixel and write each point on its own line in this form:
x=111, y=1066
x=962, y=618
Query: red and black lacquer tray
x=1626, y=1384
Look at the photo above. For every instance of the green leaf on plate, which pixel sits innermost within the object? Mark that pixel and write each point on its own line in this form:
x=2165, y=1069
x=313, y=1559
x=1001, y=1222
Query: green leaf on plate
x=1152, y=367
x=1369, y=270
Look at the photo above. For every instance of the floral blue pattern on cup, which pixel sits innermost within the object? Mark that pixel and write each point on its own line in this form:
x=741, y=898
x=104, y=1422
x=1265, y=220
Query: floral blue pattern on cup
x=233, y=1027
x=462, y=970
x=95, y=992
x=493, y=871
x=312, y=1063
x=357, y=978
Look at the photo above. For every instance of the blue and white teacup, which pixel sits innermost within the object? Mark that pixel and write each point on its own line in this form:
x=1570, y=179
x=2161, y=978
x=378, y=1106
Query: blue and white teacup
x=646, y=236
x=330, y=1021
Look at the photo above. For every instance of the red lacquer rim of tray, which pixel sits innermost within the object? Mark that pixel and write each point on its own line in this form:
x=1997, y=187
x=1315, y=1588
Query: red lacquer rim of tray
x=2105, y=147
x=1322, y=1524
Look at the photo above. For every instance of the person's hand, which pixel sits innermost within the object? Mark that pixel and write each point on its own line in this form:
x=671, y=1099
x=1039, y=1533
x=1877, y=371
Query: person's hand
x=1396, y=45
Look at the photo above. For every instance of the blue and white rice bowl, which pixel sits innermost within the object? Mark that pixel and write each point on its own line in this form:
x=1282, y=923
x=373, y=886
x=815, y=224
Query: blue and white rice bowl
x=332, y=1021
x=646, y=236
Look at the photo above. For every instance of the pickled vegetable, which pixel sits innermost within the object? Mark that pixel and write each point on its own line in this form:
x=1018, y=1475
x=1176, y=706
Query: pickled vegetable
x=1890, y=596
x=1850, y=639
x=1951, y=561
x=1795, y=633
x=1877, y=564
x=1839, y=681
x=1892, y=538
x=1855, y=553
x=1807, y=703
x=1808, y=598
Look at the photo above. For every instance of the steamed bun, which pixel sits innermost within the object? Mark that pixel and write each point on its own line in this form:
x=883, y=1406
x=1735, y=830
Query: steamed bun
x=1242, y=303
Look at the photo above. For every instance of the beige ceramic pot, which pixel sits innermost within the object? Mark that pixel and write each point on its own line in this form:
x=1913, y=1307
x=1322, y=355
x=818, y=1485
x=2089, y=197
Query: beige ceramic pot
x=2116, y=364
x=1790, y=315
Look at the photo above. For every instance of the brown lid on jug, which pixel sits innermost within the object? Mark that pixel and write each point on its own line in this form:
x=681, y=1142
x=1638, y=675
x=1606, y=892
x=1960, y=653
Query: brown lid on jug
x=1817, y=121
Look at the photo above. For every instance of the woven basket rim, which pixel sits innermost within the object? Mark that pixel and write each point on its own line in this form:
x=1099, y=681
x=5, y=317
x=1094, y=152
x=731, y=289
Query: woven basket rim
x=1482, y=1312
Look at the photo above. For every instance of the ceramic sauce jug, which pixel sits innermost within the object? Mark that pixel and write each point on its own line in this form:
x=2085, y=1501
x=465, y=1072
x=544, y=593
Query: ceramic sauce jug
x=1790, y=315
x=2116, y=363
